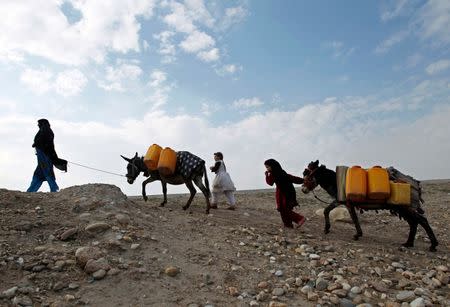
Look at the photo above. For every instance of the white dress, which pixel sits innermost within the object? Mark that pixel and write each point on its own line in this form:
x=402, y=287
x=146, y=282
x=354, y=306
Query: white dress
x=222, y=182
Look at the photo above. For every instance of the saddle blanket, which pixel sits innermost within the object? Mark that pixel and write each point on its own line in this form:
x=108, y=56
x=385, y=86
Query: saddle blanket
x=187, y=163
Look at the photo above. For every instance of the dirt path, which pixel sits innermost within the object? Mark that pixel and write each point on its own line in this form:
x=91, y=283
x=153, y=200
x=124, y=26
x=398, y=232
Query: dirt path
x=227, y=258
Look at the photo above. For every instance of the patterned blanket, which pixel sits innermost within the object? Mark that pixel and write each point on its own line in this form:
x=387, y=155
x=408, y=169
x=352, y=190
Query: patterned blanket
x=187, y=163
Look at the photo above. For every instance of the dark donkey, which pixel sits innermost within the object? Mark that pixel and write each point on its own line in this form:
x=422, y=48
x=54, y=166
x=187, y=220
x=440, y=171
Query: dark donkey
x=316, y=175
x=189, y=168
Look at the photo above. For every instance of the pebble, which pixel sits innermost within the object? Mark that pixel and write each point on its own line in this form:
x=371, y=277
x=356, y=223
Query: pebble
x=356, y=290
x=277, y=304
x=100, y=274
x=278, y=291
x=405, y=296
x=73, y=286
x=10, y=292
x=312, y=296
x=172, y=271
x=279, y=273
x=68, y=234
x=233, y=291
x=346, y=303
x=418, y=302
x=83, y=254
x=96, y=265
x=263, y=285
x=97, y=227
x=123, y=219
x=22, y=301
x=314, y=257
x=306, y=289
x=135, y=246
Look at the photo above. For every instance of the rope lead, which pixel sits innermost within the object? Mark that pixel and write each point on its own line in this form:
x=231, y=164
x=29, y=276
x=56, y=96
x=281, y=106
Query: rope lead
x=96, y=169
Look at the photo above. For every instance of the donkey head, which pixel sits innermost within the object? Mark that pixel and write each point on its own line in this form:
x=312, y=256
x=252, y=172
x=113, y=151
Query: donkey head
x=309, y=179
x=132, y=169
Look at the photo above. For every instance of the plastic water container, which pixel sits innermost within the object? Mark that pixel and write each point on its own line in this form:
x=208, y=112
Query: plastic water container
x=151, y=158
x=167, y=161
x=356, y=184
x=341, y=174
x=400, y=194
x=378, y=183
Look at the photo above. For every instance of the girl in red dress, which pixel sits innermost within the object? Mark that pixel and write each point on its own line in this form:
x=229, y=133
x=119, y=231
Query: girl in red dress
x=286, y=197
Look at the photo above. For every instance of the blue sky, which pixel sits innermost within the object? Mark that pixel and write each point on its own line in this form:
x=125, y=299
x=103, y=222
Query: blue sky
x=355, y=82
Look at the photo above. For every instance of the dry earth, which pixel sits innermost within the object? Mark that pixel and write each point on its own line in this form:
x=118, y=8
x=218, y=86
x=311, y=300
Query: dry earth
x=91, y=245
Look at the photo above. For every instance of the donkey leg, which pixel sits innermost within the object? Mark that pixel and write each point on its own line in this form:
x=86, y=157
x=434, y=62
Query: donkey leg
x=355, y=220
x=191, y=188
x=164, y=188
x=144, y=183
x=198, y=182
x=412, y=228
x=326, y=213
x=422, y=220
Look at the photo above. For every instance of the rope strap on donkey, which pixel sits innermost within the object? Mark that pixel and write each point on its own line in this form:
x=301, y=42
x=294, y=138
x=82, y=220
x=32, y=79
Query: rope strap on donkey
x=316, y=197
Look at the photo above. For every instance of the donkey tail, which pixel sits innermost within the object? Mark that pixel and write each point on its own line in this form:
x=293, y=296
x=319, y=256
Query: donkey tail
x=206, y=180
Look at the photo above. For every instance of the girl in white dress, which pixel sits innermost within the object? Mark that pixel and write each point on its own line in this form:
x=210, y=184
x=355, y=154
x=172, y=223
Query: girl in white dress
x=222, y=183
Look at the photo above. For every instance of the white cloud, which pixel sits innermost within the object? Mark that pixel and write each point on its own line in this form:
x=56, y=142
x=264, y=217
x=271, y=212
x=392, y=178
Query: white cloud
x=11, y=56
x=393, y=40
x=70, y=82
x=37, y=80
x=198, y=12
x=247, y=103
x=396, y=9
x=145, y=45
x=160, y=89
x=197, y=41
x=41, y=81
x=117, y=77
x=166, y=46
x=209, y=108
x=437, y=67
x=229, y=69
x=430, y=22
x=179, y=19
x=433, y=21
x=232, y=16
x=339, y=49
x=103, y=27
x=210, y=55
x=413, y=60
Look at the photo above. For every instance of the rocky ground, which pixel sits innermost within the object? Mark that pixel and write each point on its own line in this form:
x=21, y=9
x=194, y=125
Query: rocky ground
x=91, y=245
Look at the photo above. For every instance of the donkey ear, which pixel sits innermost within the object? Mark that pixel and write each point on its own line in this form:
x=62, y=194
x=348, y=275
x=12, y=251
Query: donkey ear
x=126, y=159
x=317, y=162
x=136, y=155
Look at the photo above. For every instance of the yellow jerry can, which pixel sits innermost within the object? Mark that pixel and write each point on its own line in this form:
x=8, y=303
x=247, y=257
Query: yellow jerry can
x=378, y=183
x=356, y=184
x=167, y=161
x=151, y=158
x=400, y=194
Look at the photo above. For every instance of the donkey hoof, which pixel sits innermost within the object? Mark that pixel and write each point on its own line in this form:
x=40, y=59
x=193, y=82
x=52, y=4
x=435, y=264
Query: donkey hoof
x=356, y=237
x=162, y=204
x=185, y=207
x=433, y=248
x=327, y=230
x=145, y=198
x=407, y=244
x=207, y=212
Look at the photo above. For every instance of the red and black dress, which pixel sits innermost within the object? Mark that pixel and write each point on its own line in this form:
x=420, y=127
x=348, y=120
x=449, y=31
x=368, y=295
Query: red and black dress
x=286, y=197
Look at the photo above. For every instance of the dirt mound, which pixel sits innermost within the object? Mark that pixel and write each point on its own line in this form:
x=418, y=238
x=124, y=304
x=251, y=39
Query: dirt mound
x=91, y=245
